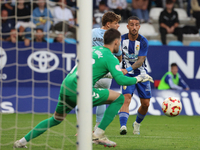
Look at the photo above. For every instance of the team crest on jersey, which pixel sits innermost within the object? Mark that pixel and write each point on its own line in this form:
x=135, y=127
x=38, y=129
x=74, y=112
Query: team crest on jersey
x=124, y=87
x=138, y=47
x=117, y=67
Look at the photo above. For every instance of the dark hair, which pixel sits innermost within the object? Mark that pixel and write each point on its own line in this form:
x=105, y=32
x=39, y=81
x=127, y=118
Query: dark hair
x=174, y=64
x=110, y=35
x=133, y=18
x=39, y=29
x=169, y=1
x=110, y=17
x=102, y=3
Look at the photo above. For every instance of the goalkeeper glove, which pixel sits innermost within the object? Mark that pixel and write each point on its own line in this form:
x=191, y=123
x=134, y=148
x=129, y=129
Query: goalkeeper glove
x=144, y=78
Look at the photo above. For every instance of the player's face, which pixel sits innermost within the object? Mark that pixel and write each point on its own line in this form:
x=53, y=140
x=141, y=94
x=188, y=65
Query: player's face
x=174, y=70
x=114, y=25
x=117, y=44
x=133, y=27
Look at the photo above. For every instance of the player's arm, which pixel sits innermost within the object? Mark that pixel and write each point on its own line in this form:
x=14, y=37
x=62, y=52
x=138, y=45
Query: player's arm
x=136, y=65
x=183, y=84
x=173, y=86
x=114, y=69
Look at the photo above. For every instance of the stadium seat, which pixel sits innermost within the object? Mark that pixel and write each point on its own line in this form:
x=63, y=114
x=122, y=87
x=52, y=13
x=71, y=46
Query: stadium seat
x=194, y=43
x=155, y=13
x=175, y=43
x=147, y=29
x=70, y=41
x=182, y=15
x=49, y=40
x=123, y=28
x=155, y=43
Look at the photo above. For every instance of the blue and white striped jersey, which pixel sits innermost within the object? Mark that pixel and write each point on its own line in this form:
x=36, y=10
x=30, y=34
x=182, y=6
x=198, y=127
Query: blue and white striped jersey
x=97, y=39
x=131, y=50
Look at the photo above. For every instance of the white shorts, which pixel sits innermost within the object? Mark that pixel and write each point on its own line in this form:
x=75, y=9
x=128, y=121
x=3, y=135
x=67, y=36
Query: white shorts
x=103, y=83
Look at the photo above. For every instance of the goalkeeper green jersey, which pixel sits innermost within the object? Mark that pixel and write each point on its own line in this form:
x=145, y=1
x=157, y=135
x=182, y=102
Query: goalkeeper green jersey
x=103, y=62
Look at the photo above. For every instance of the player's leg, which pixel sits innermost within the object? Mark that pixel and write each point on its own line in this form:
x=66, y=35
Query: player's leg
x=102, y=83
x=144, y=91
x=115, y=100
x=124, y=111
x=57, y=118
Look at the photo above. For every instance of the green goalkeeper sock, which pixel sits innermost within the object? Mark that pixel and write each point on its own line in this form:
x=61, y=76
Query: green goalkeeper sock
x=41, y=128
x=111, y=111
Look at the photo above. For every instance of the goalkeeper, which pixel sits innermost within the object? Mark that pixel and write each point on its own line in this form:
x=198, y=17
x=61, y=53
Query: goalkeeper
x=103, y=62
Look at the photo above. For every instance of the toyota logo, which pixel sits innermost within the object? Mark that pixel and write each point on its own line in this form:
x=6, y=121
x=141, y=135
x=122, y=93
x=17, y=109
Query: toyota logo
x=3, y=58
x=41, y=61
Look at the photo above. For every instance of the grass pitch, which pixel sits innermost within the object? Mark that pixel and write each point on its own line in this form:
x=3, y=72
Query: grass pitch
x=156, y=133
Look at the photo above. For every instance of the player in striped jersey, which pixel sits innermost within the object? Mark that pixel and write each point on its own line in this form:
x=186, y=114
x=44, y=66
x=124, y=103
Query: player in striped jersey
x=134, y=49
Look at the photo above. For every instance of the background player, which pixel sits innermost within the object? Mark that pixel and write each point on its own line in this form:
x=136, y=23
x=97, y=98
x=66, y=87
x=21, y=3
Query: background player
x=104, y=62
x=172, y=80
x=134, y=49
x=109, y=20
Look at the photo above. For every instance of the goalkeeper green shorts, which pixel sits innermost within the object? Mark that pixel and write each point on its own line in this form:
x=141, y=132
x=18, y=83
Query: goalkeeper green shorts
x=67, y=103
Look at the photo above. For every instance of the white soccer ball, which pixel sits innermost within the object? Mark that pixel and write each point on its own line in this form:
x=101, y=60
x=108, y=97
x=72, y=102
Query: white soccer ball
x=171, y=106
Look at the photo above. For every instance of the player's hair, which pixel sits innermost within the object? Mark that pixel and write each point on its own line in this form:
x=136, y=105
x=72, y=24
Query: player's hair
x=102, y=3
x=133, y=18
x=174, y=64
x=110, y=35
x=110, y=17
x=169, y=1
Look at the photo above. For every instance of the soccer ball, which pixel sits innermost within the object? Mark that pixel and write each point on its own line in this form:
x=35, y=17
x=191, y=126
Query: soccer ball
x=171, y=106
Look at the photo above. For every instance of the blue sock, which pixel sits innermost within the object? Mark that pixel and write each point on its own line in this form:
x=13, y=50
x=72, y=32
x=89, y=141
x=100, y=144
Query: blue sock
x=100, y=112
x=139, y=117
x=123, y=117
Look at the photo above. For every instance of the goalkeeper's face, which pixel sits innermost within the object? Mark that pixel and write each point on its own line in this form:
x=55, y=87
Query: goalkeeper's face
x=116, y=45
x=133, y=27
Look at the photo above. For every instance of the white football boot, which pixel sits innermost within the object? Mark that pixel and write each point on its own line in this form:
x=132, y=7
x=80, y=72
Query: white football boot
x=136, y=128
x=123, y=130
x=17, y=144
x=103, y=140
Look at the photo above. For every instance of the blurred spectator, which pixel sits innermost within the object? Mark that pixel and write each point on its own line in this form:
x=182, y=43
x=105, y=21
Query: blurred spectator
x=62, y=16
x=140, y=9
x=71, y=3
x=178, y=3
x=158, y=3
x=59, y=38
x=98, y=13
x=189, y=8
x=23, y=19
x=169, y=22
x=172, y=80
x=195, y=4
x=41, y=16
x=95, y=24
x=13, y=38
x=119, y=7
x=6, y=25
x=39, y=36
x=6, y=5
x=96, y=3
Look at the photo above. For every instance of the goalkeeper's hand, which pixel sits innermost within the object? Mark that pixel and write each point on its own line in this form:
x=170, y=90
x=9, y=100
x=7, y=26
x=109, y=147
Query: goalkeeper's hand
x=144, y=78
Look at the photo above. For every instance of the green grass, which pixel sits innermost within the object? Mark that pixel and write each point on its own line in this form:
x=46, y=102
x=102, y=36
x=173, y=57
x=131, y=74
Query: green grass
x=157, y=133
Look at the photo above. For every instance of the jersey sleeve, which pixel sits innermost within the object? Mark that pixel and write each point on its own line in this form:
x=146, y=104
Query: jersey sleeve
x=114, y=69
x=144, y=47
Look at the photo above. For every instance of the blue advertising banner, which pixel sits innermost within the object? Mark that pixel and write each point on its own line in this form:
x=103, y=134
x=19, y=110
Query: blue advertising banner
x=30, y=77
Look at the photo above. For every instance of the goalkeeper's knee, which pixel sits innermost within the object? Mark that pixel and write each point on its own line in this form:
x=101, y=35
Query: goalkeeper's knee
x=120, y=99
